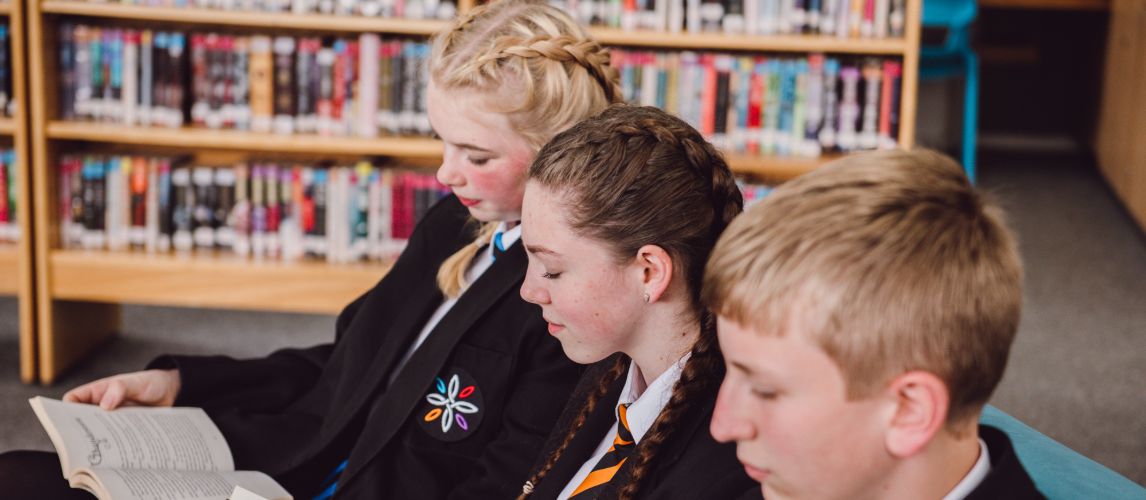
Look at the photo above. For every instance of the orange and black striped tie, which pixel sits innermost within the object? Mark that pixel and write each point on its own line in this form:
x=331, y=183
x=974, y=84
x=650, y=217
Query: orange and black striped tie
x=610, y=463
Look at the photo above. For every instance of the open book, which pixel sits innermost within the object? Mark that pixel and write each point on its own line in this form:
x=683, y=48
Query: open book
x=146, y=453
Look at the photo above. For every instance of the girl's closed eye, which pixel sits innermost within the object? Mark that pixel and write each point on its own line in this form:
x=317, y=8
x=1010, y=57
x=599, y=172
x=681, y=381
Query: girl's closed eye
x=478, y=161
x=765, y=394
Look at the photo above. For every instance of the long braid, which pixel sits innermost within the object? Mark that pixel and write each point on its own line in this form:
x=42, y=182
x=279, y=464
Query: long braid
x=704, y=369
x=603, y=384
x=586, y=53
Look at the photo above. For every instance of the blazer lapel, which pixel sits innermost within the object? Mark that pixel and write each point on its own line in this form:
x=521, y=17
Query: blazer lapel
x=409, y=387
x=406, y=324
x=583, y=445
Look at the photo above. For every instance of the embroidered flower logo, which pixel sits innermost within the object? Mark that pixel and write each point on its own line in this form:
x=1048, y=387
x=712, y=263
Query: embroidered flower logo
x=449, y=405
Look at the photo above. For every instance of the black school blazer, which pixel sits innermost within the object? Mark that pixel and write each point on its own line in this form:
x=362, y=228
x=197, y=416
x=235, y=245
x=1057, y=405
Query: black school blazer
x=299, y=412
x=690, y=465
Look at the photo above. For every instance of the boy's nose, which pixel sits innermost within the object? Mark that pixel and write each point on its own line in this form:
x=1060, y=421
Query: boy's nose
x=727, y=425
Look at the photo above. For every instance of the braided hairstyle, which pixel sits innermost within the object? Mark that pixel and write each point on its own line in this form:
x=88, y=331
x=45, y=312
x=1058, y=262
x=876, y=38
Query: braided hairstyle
x=634, y=176
x=530, y=62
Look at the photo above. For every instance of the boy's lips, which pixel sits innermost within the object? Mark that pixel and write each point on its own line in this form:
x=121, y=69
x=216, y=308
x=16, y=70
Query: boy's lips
x=554, y=328
x=469, y=202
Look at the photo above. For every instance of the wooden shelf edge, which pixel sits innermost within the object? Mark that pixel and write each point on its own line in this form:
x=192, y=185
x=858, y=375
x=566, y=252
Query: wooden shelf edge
x=7, y=126
x=221, y=282
x=775, y=168
x=9, y=269
x=402, y=147
x=5, y=8
x=265, y=20
x=778, y=43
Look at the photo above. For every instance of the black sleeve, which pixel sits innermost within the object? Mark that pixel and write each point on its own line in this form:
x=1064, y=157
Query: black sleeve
x=271, y=383
x=543, y=382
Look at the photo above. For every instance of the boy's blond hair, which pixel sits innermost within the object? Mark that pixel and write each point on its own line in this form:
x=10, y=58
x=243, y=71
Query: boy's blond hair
x=891, y=262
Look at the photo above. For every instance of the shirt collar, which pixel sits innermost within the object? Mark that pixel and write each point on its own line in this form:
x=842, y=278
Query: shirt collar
x=508, y=236
x=975, y=476
x=644, y=407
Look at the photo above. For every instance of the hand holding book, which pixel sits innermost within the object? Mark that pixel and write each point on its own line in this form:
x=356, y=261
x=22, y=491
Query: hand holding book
x=142, y=388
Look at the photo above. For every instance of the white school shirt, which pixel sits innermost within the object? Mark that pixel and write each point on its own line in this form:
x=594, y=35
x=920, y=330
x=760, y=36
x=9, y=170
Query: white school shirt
x=482, y=261
x=644, y=407
x=974, y=477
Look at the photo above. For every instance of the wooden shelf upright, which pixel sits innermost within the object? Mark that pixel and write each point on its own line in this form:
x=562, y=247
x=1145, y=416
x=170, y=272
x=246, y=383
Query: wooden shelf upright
x=78, y=292
x=16, y=260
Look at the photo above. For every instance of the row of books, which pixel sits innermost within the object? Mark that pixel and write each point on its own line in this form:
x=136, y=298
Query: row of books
x=256, y=209
x=10, y=202
x=312, y=85
x=771, y=105
x=7, y=102
x=398, y=9
x=839, y=18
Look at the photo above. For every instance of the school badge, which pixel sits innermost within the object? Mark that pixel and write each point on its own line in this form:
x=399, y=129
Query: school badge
x=453, y=408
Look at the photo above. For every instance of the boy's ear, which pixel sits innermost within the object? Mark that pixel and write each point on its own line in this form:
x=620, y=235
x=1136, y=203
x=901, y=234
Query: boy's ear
x=921, y=401
x=655, y=266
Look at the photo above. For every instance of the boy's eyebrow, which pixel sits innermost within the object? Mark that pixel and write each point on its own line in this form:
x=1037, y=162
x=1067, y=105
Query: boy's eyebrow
x=539, y=249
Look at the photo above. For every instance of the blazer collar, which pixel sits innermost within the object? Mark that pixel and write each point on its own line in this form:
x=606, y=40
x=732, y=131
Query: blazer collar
x=503, y=277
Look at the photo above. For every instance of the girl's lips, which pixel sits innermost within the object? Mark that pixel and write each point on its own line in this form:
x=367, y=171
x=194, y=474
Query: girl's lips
x=554, y=328
x=468, y=202
x=757, y=475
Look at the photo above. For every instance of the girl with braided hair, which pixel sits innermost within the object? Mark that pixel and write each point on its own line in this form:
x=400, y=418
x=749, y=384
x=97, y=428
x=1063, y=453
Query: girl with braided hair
x=441, y=381
x=620, y=214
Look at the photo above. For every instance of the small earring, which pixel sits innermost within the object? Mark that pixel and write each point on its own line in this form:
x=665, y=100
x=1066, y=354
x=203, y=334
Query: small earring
x=646, y=298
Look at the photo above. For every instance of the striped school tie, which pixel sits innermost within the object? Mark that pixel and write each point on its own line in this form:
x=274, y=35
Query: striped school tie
x=610, y=463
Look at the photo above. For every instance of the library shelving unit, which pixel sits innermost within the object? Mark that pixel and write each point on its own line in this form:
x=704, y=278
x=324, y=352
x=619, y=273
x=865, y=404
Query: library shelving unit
x=16, y=264
x=78, y=291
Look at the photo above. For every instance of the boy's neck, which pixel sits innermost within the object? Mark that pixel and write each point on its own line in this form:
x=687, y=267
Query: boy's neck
x=935, y=471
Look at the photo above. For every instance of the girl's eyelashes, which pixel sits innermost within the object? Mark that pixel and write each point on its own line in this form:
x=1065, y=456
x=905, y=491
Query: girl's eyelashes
x=765, y=394
x=550, y=276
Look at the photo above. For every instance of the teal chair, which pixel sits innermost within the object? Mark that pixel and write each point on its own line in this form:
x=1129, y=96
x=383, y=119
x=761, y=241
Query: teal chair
x=954, y=57
x=1058, y=471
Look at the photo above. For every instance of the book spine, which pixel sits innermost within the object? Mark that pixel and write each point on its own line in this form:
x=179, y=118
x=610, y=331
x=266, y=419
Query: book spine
x=137, y=237
x=869, y=134
x=146, y=77
x=369, y=46
x=261, y=84
x=285, y=106
x=240, y=217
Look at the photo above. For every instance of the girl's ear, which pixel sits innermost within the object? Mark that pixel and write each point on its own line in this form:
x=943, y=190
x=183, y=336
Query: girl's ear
x=656, y=268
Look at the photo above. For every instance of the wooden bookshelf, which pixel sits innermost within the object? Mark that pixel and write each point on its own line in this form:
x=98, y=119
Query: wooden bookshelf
x=211, y=281
x=197, y=138
x=262, y=20
x=769, y=43
x=78, y=292
x=16, y=260
x=9, y=269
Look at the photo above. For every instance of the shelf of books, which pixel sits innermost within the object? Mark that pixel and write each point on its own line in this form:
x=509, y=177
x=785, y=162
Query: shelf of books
x=247, y=155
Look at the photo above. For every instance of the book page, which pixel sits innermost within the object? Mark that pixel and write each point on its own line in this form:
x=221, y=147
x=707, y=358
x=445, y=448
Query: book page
x=190, y=485
x=133, y=438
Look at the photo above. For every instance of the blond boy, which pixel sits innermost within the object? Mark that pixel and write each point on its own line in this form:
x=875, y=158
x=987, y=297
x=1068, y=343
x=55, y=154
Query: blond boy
x=866, y=311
